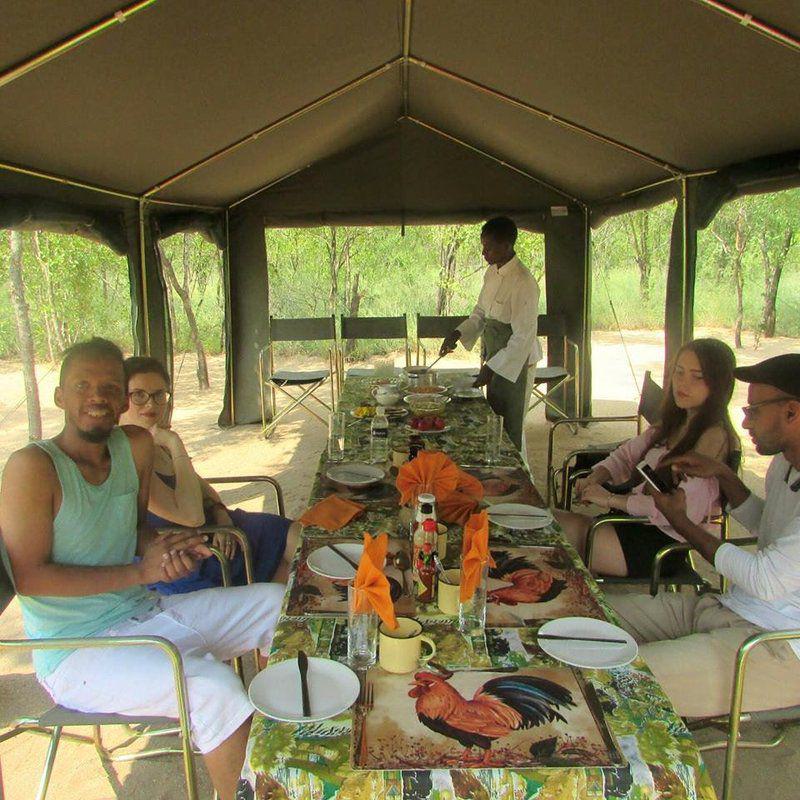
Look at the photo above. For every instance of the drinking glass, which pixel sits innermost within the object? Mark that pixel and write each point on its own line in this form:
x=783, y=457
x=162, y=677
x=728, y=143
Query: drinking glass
x=494, y=437
x=362, y=631
x=472, y=613
x=337, y=426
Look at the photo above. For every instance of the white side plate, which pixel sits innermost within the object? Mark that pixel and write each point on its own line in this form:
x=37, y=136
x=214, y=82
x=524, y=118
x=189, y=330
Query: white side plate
x=519, y=517
x=588, y=654
x=355, y=474
x=329, y=564
x=332, y=688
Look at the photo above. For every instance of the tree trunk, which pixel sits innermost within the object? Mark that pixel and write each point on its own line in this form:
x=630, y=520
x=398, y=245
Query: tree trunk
x=448, y=249
x=639, y=240
x=194, y=333
x=58, y=332
x=24, y=336
x=740, y=244
x=773, y=268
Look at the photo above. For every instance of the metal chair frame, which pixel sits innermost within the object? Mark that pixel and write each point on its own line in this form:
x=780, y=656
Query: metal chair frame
x=351, y=328
x=647, y=411
x=305, y=329
x=736, y=717
x=430, y=327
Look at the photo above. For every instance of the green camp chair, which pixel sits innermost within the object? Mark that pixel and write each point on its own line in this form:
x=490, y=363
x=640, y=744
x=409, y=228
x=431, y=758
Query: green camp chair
x=434, y=328
x=352, y=328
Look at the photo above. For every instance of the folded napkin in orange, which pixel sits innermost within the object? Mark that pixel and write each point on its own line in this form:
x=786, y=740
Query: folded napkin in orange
x=331, y=513
x=474, y=554
x=371, y=585
x=431, y=471
x=457, y=507
x=470, y=485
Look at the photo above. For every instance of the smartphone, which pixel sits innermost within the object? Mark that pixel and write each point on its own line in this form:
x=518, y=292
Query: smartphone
x=656, y=480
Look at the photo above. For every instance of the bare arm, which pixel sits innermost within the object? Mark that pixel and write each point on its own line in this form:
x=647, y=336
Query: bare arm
x=701, y=466
x=184, y=504
x=28, y=498
x=673, y=507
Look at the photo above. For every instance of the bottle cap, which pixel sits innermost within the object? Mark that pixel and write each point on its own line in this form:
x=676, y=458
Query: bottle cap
x=426, y=498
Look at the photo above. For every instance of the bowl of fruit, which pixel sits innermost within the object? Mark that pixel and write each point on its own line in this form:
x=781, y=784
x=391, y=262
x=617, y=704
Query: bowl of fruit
x=427, y=412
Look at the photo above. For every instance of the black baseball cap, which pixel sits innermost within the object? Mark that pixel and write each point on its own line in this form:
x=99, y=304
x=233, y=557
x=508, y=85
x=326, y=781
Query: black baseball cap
x=782, y=372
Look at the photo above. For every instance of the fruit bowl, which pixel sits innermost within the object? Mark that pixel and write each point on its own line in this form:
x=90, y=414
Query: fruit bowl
x=428, y=424
x=432, y=405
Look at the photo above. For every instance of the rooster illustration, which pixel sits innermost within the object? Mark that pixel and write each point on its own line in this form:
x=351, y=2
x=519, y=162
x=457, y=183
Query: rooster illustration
x=530, y=585
x=500, y=706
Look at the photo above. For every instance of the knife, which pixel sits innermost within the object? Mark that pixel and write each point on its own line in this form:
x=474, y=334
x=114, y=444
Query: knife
x=302, y=666
x=553, y=637
x=347, y=558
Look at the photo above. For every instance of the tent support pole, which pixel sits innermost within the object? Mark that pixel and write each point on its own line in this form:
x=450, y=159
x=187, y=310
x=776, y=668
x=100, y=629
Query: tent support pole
x=143, y=271
x=531, y=109
x=686, y=295
x=314, y=104
x=228, y=326
x=406, y=51
x=752, y=23
x=65, y=45
x=584, y=376
x=540, y=181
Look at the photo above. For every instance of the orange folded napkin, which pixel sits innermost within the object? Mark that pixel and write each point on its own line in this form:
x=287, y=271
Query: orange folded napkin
x=371, y=585
x=331, y=513
x=431, y=471
x=474, y=554
x=470, y=485
x=457, y=507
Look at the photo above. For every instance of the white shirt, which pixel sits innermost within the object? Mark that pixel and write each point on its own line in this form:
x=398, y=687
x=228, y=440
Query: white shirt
x=509, y=294
x=766, y=584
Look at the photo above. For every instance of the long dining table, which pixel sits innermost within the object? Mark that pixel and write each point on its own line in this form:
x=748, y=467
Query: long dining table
x=310, y=761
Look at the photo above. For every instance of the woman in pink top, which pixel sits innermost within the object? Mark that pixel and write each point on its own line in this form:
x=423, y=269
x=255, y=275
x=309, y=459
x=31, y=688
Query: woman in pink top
x=694, y=417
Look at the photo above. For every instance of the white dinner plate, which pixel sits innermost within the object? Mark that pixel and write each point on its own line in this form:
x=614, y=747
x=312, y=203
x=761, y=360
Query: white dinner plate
x=519, y=517
x=473, y=393
x=355, y=474
x=588, y=654
x=332, y=688
x=329, y=564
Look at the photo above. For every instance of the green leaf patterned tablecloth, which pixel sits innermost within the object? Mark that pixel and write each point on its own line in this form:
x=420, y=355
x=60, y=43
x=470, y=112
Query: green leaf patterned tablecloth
x=312, y=761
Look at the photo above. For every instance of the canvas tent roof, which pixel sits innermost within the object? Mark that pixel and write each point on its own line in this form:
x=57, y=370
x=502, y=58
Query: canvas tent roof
x=595, y=98
x=388, y=112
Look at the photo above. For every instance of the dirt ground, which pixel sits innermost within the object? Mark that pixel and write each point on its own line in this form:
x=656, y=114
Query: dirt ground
x=291, y=456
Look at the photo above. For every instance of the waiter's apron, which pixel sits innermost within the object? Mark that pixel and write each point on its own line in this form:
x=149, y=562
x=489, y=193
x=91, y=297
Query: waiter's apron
x=507, y=398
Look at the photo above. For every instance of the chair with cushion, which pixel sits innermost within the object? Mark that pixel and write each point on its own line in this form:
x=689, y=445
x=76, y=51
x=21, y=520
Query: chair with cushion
x=547, y=380
x=300, y=386
x=579, y=462
x=353, y=328
x=687, y=575
x=434, y=328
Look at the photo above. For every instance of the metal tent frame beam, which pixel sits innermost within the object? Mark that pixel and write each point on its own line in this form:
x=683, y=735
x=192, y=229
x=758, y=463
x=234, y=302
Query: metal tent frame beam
x=753, y=23
x=75, y=40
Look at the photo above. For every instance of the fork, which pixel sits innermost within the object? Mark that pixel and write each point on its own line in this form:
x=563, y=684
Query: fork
x=366, y=697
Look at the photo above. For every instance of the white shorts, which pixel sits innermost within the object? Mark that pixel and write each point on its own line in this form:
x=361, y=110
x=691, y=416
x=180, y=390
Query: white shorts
x=208, y=627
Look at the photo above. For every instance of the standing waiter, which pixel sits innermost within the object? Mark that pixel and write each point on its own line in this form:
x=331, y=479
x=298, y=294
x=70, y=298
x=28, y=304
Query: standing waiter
x=506, y=315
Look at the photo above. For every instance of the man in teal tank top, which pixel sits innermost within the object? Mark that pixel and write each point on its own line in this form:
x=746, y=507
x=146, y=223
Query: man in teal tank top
x=71, y=516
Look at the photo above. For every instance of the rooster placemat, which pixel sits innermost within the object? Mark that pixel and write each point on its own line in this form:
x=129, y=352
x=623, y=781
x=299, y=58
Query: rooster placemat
x=437, y=719
x=530, y=584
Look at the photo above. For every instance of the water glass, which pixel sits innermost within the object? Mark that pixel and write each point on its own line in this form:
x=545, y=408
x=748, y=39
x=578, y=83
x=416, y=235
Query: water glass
x=494, y=437
x=472, y=613
x=337, y=427
x=362, y=630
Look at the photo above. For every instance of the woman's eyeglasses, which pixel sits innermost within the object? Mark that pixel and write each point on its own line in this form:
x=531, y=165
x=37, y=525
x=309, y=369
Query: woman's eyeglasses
x=139, y=397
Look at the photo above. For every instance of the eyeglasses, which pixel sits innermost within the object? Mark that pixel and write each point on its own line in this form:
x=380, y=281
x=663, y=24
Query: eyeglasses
x=140, y=397
x=748, y=410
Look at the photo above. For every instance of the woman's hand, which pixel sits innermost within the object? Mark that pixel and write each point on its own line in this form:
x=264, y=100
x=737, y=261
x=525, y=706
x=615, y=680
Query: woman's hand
x=169, y=439
x=226, y=544
x=594, y=493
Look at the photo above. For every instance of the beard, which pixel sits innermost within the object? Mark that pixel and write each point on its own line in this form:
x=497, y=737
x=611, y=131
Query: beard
x=95, y=436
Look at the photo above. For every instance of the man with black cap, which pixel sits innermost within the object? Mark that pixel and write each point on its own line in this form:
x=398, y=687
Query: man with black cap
x=690, y=642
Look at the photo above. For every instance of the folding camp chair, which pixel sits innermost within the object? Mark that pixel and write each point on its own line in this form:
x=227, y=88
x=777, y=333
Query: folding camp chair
x=687, y=575
x=374, y=328
x=580, y=461
x=434, y=328
x=52, y=722
x=305, y=382
x=548, y=380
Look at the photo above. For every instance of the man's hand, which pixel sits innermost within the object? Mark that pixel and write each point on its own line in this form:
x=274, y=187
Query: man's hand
x=171, y=556
x=484, y=376
x=226, y=544
x=449, y=342
x=594, y=493
x=695, y=465
x=672, y=505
